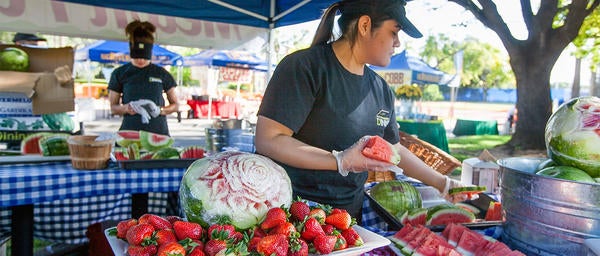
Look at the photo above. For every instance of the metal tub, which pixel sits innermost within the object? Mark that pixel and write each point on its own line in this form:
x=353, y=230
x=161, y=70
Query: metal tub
x=546, y=216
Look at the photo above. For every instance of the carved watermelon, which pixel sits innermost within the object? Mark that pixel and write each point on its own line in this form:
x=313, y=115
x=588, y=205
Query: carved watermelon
x=444, y=214
x=126, y=137
x=153, y=141
x=121, y=154
x=192, y=152
x=31, y=143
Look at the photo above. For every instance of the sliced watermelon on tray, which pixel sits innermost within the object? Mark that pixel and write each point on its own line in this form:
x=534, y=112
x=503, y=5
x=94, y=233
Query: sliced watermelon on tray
x=494, y=212
x=444, y=214
x=470, y=242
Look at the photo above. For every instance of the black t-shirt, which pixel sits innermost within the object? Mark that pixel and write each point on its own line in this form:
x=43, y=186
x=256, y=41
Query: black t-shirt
x=142, y=83
x=330, y=108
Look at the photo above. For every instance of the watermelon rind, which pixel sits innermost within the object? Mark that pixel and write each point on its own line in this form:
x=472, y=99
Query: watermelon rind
x=166, y=153
x=153, y=141
x=54, y=144
x=469, y=189
x=468, y=207
x=436, y=214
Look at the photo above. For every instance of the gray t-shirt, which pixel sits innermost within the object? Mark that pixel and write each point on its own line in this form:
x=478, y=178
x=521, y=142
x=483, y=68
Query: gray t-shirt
x=330, y=108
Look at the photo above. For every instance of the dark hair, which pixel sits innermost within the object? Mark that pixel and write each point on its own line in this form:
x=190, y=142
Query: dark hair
x=351, y=10
x=141, y=32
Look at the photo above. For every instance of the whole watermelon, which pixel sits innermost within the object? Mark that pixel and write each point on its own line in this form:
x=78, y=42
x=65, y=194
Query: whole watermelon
x=14, y=59
x=396, y=196
x=232, y=186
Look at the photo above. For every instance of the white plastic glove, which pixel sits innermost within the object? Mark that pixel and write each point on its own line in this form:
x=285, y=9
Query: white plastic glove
x=352, y=159
x=452, y=183
x=146, y=108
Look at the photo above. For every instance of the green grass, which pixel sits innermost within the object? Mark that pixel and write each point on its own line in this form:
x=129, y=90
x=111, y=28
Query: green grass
x=464, y=147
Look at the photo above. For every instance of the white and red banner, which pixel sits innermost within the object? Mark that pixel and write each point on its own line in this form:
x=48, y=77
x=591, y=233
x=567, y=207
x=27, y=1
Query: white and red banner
x=69, y=19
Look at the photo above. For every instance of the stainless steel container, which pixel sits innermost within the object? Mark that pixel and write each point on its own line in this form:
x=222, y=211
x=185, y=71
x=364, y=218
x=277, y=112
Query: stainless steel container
x=546, y=216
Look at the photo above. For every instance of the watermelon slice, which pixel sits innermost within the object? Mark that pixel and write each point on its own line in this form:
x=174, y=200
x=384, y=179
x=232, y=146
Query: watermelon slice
x=468, y=207
x=402, y=241
x=494, y=212
x=154, y=141
x=470, y=242
x=453, y=232
x=31, y=143
x=416, y=241
x=469, y=191
x=444, y=214
x=414, y=216
x=121, y=154
x=379, y=149
x=126, y=137
x=192, y=152
x=398, y=236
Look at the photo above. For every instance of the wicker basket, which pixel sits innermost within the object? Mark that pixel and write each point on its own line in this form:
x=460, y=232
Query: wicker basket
x=438, y=159
x=380, y=176
x=89, y=154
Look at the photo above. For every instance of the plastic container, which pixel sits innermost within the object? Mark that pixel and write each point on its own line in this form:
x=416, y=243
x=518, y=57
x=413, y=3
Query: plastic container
x=89, y=154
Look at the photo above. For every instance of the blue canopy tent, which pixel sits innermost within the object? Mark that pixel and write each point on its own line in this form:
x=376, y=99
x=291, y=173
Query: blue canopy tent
x=224, y=58
x=406, y=69
x=118, y=52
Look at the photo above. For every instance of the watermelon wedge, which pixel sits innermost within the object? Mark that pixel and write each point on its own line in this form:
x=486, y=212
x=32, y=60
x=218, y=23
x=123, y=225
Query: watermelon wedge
x=398, y=236
x=31, y=143
x=469, y=191
x=444, y=214
x=468, y=207
x=494, y=211
x=379, y=149
x=470, y=242
x=453, y=232
x=414, y=216
x=192, y=152
x=154, y=141
x=127, y=137
x=416, y=241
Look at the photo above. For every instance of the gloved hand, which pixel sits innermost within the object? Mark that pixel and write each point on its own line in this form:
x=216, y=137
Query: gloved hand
x=352, y=159
x=146, y=108
x=452, y=183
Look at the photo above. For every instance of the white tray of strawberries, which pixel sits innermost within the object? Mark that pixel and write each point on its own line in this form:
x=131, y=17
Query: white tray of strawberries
x=299, y=230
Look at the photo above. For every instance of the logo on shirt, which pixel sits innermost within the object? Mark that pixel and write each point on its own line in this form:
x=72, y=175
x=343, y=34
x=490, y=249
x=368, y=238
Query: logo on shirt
x=383, y=118
x=155, y=80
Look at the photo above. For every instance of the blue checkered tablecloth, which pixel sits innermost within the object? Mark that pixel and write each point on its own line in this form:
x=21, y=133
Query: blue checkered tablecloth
x=66, y=201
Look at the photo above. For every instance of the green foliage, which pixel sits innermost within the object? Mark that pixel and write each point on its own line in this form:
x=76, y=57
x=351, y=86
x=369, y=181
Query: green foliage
x=587, y=42
x=431, y=92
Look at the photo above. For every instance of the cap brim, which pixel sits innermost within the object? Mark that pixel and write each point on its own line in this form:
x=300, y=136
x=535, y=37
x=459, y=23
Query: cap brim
x=410, y=29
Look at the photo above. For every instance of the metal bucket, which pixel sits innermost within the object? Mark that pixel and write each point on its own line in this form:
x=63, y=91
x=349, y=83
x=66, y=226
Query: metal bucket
x=546, y=216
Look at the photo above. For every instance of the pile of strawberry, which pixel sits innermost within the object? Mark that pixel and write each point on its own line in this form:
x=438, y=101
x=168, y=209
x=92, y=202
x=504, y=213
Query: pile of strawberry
x=298, y=230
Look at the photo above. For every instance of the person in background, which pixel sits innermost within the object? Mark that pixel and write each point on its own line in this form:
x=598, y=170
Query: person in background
x=322, y=104
x=143, y=83
x=29, y=40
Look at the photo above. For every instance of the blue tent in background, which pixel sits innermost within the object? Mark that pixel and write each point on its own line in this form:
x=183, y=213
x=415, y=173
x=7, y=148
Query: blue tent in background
x=118, y=52
x=224, y=58
x=405, y=69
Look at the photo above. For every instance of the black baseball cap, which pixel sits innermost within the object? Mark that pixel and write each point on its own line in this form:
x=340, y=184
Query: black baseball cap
x=27, y=37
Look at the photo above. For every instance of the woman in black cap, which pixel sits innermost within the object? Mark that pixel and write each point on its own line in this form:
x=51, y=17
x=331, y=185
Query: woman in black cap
x=141, y=80
x=322, y=102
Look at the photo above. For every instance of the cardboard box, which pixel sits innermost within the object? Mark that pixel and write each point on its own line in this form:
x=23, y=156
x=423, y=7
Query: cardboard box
x=49, y=81
x=481, y=173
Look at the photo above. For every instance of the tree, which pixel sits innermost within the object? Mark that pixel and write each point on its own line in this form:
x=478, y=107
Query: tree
x=587, y=44
x=551, y=28
x=484, y=66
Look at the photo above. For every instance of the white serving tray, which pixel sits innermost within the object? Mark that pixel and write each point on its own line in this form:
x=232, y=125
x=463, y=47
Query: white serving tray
x=372, y=241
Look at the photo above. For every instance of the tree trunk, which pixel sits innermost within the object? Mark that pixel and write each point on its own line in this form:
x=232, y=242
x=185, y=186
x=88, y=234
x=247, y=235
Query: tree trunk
x=534, y=106
x=576, y=79
x=594, y=86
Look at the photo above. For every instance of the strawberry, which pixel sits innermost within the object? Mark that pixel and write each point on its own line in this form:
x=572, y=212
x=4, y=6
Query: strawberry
x=299, y=210
x=165, y=236
x=138, y=250
x=220, y=240
x=311, y=229
x=284, y=229
x=337, y=210
x=258, y=232
x=197, y=252
x=352, y=237
x=156, y=221
x=341, y=243
x=186, y=229
x=341, y=220
x=324, y=244
x=253, y=243
x=298, y=247
x=189, y=244
x=274, y=217
x=229, y=229
x=328, y=229
x=171, y=249
x=173, y=218
x=123, y=226
x=273, y=245
x=140, y=234
x=319, y=214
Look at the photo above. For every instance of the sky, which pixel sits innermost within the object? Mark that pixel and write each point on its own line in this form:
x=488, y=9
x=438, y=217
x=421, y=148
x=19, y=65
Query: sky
x=440, y=16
